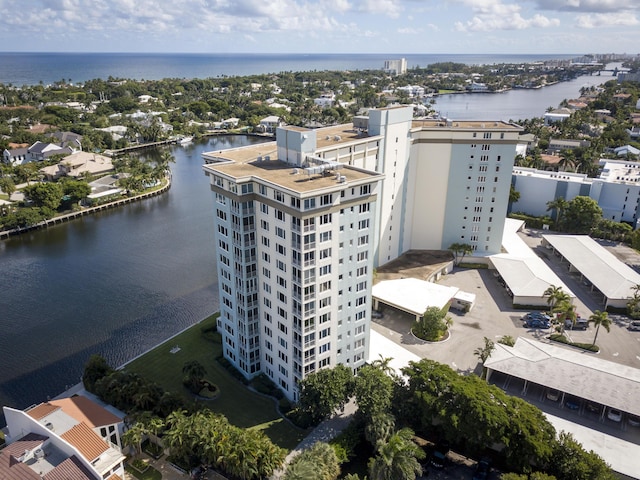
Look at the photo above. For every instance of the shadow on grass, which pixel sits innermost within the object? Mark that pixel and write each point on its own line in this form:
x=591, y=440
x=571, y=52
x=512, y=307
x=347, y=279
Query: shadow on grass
x=241, y=406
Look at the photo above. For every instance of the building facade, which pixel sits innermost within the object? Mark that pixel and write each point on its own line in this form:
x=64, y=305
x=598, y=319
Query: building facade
x=616, y=189
x=294, y=265
x=301, y=223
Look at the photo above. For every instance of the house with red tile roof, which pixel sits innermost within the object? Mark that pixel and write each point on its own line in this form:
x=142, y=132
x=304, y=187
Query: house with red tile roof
x=61, y=440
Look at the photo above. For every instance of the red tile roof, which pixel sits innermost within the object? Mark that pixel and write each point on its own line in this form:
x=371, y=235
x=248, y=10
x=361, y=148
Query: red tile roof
x=71, y=469
x=28, y=442
x=88, y=443
x=42, y=410
x=10, y=468
x=85, y=410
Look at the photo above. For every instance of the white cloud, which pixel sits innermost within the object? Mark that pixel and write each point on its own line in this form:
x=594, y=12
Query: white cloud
x=607, y=20
x=587, y=5
x=410, y=31
x=490, y=15
x=391, y=8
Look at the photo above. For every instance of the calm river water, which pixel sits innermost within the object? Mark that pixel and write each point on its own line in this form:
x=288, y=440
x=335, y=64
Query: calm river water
x=119, y=282
x=116, y=283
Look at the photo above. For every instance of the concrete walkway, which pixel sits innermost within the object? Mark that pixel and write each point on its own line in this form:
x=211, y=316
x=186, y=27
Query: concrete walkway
x=326, y=431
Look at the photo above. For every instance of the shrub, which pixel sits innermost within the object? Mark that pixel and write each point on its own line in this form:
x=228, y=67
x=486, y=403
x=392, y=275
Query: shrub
x=585, y=346
x=531, y=221
x=232, y=370
x=433, y=325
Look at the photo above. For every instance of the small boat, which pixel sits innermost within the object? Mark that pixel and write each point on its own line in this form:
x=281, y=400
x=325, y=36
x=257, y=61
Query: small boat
x=185, y=140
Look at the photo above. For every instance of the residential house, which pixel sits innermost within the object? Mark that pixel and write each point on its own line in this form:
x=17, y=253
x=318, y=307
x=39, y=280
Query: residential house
x=325, y=100
x=68, y=139
x=559, y=144
x=78, y=164
x=58, y=440
x=40, y=151
x=626, y=151
x=557, y=115
x=270, y=123
x=15, y=156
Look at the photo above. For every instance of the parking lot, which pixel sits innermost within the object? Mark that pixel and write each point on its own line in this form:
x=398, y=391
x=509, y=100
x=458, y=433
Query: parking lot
x=493, y=317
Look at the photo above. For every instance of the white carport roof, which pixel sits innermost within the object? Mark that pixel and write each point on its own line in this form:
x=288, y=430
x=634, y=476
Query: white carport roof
x=523, y=271
x=413, y=295
x=571, y=371
x=609, y=275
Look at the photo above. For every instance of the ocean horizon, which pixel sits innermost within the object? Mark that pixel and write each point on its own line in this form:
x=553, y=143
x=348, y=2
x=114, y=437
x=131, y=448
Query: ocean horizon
x=33, y=68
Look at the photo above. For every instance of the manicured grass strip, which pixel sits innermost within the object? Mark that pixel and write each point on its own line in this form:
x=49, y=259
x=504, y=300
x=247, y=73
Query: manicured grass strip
x=149, y=474
x=241, y=406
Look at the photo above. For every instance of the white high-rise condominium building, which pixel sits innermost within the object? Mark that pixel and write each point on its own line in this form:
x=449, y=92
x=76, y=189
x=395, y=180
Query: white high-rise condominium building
x=302, y=221
x=396, y=67
x=294, y=239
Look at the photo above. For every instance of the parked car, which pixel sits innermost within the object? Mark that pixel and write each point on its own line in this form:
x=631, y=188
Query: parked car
x=633, y=420
x=553, y=394
x=438, y=459
x=482, y=470
x=634, y=326
x=376, y=314
x=572, y=405
x=614, y=415
x=536, y=323
x=538, y=316
x=580, y=324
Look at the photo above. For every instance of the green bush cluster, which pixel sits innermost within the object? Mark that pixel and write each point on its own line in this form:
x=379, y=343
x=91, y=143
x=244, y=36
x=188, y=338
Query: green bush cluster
x=531, y=221
x=226, y=364
x=585, y=346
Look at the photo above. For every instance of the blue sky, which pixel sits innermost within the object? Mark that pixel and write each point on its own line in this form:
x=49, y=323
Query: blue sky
x=321, y=26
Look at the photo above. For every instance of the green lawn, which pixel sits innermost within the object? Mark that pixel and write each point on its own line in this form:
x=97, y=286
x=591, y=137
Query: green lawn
x=241, y=406
x=149, y=474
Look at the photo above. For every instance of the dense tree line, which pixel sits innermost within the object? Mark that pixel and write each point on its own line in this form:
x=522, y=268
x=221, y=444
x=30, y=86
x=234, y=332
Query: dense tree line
x=193, y=434
x=472, y=416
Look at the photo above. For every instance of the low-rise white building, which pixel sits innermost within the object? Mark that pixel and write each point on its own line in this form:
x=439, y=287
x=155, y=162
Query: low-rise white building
x=617, y=189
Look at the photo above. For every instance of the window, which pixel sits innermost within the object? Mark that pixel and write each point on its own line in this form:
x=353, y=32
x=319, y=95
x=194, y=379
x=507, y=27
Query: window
x=325, y=270
x=264, y=208
x=325, y=219
x=295, y=202
x=363, y=224
x=363, y=240
x=280, y=232
x=309, y=203
x=278, y=196
x=281, y=249
x=365, y=189
x=263, y=190
x=364, y=208
x=279, y=214
x=325, y=236
x=265, y=225
x=326, y=199
x=281, y=266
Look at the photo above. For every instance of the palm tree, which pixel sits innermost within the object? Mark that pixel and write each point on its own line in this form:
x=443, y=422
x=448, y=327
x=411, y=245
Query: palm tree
x=554, y=295
x=567, y=160
x=460, y=248
x=133, y=437
x=397, y=459
x=600, y=319
x=379, y=428
x=559, y=205
x=566, y=311
x=194, y=372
